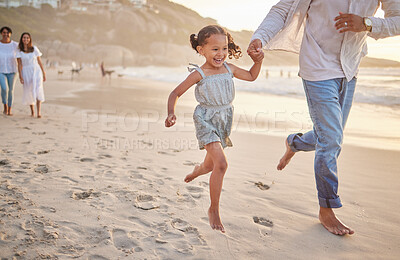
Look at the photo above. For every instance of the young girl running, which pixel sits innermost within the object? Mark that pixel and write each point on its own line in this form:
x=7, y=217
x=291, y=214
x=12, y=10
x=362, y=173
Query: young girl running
x=213, y=116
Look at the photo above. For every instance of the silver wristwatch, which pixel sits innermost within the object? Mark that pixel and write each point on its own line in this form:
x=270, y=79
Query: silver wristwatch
x=368, y=23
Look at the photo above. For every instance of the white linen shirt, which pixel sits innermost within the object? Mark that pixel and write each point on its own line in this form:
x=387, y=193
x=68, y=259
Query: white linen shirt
x=8, y=61
x=283, y=29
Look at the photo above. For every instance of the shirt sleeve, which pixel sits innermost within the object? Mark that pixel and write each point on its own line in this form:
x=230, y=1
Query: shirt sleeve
x=390, y=25
x=273, y=22
x=17, y=53
x=37, y=51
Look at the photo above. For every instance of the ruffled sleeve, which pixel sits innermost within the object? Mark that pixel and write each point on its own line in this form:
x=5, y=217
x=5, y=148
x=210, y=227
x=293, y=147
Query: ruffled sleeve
x=37, y=51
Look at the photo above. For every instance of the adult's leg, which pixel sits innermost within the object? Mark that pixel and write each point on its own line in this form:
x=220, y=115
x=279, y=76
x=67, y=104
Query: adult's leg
x=205, y=167
x=32, y=110
x=216, y=179
x=11, y=82
x=38, y=105
x=3, y=86
x=327, y=116
x=307, y=141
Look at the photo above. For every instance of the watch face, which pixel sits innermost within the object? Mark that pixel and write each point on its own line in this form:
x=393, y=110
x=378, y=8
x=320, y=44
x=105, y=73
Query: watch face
x=368, y=22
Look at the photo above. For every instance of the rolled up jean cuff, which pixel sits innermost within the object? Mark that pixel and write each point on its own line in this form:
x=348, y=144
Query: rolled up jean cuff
x=290, y=140
x=330, y=203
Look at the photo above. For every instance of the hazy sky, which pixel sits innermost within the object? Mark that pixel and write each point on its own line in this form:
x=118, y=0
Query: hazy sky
x=248, y=14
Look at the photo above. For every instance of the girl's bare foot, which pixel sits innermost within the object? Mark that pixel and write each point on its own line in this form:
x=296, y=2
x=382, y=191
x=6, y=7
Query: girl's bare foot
x=332, y=223
x=193, y=175
x=39, y=116
x=286, y=157
x=215, y=220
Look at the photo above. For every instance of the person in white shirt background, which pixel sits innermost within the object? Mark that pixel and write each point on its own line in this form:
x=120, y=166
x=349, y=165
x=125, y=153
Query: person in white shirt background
x=330, y=37
x=8, y=68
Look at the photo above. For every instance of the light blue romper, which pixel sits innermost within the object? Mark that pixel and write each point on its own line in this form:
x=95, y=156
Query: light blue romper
x=214, y=115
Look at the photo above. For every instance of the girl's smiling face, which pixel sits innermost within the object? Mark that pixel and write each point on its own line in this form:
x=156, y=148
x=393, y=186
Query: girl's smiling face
x=215, y=50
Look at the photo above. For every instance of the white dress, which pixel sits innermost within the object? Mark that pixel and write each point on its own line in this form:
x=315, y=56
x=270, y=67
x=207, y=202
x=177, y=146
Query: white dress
x=32, y=75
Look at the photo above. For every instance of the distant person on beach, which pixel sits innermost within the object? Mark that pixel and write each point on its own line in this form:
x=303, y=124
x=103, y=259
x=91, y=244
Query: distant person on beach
x=31, y=73
x=213, y=116
x=331, y=39
x=8, y=68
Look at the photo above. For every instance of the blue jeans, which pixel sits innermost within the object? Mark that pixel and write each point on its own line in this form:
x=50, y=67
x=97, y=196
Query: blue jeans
x=329, y=103
x=7, y=79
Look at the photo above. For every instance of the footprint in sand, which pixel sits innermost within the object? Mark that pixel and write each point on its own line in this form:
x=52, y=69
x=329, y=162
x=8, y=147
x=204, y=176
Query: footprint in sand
x=146, y=202
x=183, y=226
x=43, y=152
x=263, y=221
x=86, y=160
x=84, y=195
x=42, y=168
x=266, y=224
x=262, y=186
x=38, y=133
x=103, y=155
x=121, y=240
x=5, y=162
x=194, y=191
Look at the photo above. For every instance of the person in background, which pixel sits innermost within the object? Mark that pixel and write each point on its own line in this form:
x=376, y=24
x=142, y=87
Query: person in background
x=31, y=73
x=8, y=68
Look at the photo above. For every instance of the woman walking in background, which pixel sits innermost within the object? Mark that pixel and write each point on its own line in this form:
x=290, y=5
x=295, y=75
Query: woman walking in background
x=31, y=73
x=8, y=68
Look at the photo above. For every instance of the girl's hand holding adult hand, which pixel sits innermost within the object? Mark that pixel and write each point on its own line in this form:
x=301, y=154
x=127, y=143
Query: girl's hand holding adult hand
x=44, y=77
x=255, y=51
x=349, y=23
x=170, y=121
x=21, y=80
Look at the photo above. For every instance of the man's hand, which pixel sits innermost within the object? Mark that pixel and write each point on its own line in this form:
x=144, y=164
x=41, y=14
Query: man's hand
x=255, y=50
x=349, y=23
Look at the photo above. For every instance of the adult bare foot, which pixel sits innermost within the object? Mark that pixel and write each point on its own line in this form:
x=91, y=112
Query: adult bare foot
x=215, y=220
x=193, y=175
x=5, y=109
x=332, y=223
x=286, y=157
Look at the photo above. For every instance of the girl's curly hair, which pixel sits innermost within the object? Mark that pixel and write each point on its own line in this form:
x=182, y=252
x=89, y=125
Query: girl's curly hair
x=201, y=39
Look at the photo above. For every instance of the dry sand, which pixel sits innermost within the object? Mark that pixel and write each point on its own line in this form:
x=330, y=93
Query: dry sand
x=88, y=185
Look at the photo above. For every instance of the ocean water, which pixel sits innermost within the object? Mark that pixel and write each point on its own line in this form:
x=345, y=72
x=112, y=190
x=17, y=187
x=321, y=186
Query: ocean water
x=378, y=86
x=281, y=109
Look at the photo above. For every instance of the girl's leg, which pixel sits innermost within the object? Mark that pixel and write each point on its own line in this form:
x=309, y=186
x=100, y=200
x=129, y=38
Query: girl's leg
x=32, y=110
x=205, y=167
x=216, y=179
x=38, y=105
